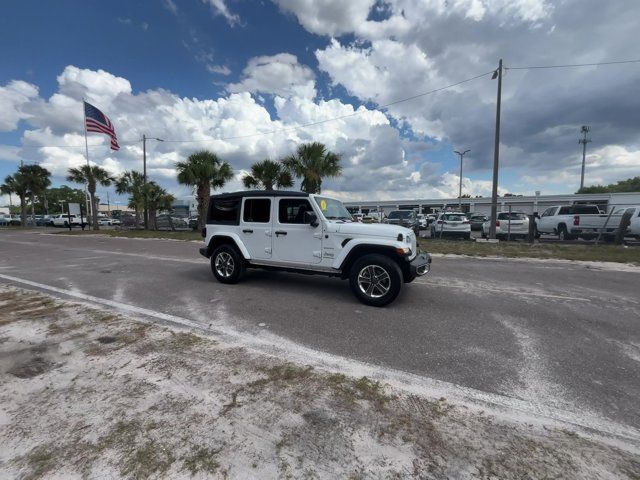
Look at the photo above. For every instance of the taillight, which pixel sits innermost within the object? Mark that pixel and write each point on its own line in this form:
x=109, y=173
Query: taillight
x=497, y=223
x=576, y=220
x=439, y=222
x=466, y=221
x=203, y=232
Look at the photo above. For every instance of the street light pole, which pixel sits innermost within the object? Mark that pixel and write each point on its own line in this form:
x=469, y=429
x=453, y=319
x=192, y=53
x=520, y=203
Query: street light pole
x=496, y=155
x=461, y=154
x=584, y=130
x=144, y=176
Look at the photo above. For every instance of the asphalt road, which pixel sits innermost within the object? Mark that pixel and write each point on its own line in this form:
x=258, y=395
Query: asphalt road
x=564, y=335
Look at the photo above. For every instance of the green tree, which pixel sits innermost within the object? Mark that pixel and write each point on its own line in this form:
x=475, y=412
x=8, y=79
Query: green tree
x=132, y=184
x=16, y=184
x=91, y=175
x=52, y=199
x=312, y=162
x=203, y=171
x=267, y=174
x=628, y=185
x=157, y=199
x=37, y=179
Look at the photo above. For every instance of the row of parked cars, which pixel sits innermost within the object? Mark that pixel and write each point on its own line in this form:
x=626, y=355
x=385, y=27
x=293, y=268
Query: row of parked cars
x=566, y=221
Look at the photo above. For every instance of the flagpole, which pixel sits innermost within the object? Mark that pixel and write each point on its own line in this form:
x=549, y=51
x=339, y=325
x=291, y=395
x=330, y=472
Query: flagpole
x=86, y=147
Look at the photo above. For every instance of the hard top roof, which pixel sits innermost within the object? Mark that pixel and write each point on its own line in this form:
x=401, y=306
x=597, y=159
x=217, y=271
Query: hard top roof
x=261, y=193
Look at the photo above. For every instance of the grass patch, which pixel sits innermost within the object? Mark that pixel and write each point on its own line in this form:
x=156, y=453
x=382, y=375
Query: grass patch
x=601, y=253
x=183, y=235
x=359, y=389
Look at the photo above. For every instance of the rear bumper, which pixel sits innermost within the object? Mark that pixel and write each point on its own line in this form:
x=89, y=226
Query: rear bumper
x=420, y=265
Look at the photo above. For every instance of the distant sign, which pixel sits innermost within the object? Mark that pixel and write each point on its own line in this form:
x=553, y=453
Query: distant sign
x=74, y=209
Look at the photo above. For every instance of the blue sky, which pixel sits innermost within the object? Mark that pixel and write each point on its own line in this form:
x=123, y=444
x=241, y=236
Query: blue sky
x=301, y=61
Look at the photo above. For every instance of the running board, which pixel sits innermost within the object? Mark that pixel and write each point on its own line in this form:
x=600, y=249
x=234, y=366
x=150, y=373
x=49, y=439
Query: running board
x=287, y=267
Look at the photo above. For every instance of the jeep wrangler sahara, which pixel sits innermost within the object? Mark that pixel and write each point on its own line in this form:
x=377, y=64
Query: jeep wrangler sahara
x=313, y=234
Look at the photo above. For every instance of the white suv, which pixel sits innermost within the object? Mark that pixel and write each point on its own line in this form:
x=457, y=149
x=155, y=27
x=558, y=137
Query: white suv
x=308, y=233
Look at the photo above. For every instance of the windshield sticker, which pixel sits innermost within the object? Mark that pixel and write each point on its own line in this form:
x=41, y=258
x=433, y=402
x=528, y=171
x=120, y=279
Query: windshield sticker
x=323, y=205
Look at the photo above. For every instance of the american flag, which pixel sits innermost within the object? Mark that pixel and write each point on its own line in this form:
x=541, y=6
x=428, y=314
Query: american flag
x=96, y=121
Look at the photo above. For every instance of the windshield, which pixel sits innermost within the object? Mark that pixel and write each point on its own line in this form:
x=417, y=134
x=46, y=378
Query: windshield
x=454, y=217
x=512, y=216
x=332, y=209
x=400, y=214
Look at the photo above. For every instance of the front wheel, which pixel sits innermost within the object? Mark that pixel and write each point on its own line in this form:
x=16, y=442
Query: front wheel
x=375, y=280
x=227, y=264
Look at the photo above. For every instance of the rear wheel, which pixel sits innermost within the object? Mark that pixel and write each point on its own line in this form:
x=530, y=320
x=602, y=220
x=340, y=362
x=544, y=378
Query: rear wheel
x=375, y=280
x=227, y=264
x=563, y=234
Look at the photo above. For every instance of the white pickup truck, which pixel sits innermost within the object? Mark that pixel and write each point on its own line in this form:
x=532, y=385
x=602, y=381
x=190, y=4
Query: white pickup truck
x=578, y=221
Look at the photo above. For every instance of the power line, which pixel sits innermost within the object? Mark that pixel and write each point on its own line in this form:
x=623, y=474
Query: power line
x=290, y=129
x=571, y=65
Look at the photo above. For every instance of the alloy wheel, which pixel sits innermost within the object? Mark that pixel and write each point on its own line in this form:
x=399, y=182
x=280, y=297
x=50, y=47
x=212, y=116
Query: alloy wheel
x=224, y=264
x=374, y=281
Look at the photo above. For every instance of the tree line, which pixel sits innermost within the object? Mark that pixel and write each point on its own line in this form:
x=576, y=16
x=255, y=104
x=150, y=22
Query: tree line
x=628, y=185
x=203, y=171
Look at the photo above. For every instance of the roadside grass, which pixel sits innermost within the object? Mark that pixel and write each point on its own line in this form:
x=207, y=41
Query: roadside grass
x=160, y=234
x=91, y=393
x=596, y=253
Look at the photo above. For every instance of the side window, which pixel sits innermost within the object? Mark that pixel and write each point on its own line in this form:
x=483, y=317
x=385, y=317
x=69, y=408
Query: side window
x=630, y=211
x=547, y=212
x=225, y=211
x=257, y=210
x=565, y=211
x=291, y=210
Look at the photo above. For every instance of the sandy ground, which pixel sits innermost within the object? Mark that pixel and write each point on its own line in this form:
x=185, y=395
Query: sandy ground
x=86, y=393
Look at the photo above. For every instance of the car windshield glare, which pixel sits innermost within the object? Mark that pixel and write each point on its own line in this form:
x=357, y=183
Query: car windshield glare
x=400, y=214
x=511, y=216
x=333, y=209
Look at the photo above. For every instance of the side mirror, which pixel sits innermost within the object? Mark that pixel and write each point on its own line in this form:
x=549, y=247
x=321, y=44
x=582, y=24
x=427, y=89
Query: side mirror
x=310, y=218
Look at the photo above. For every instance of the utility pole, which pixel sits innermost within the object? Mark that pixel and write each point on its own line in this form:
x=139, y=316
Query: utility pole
x=461, y=154
x=584, y=130
x=144, y=176
x=144, y=181
x=496, y=155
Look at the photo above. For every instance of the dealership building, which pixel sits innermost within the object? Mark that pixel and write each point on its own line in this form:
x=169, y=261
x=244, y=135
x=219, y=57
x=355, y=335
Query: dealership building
x=528, y=204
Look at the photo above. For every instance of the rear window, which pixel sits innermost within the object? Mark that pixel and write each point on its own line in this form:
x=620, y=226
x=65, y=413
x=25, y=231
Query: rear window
x=225, y=211
x=257, y=210
x=400, y=214
x=455, y=217
x=585, y=210
x=511, y=216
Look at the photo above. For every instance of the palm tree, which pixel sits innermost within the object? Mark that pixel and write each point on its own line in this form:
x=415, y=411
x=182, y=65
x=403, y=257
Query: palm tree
x=16, y=184
x=203, y=171
x=266, y=174
x=36, y=179
x=132, y=184
x=91, y=175
x=157, y=199
x=312, y=162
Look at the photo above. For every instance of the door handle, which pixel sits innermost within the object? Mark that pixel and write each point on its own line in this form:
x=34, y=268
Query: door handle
x=247, y=231
x=280, y=232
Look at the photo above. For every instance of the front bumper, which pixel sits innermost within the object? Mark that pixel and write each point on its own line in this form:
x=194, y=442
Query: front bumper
x=204, y=252
x=420, y=265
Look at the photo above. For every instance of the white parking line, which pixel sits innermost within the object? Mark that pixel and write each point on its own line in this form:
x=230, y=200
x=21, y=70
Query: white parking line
x=610, y=432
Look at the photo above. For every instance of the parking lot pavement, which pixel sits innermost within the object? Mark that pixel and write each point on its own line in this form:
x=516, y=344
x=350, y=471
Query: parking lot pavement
x=560, y=335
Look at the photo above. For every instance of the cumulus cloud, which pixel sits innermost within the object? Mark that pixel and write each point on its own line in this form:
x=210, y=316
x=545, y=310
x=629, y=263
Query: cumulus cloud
x=279, y=74
x=13, y=98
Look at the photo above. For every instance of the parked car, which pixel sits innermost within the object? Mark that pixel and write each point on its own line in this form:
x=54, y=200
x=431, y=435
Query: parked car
x=451, y=224
x=422, y=221
x=15, y=220
x=404, y=218
x=508, y=225
x=634, y=227
x=193, y=223
x=62, y=220
x=577, y=221
x=307, y=233
x=476, y=220
x=106, y=221
x=165, y=221
x=5, y=219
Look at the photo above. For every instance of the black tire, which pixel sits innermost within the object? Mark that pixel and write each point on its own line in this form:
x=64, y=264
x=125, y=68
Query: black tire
x=563, y=234
x=66, y=224
x=467, y=236
x=387, y=288
x=230, y=268
x=536, y=233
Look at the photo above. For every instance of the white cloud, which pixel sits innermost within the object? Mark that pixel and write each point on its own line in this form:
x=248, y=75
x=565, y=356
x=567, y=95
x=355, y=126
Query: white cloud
x=13, y=98
x=220, y=8
x=219, y=69
x=279, y=74
x=171, y=6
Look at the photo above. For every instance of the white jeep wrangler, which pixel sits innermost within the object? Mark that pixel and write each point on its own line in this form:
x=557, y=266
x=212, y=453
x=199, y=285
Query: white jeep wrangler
x=305, y=233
